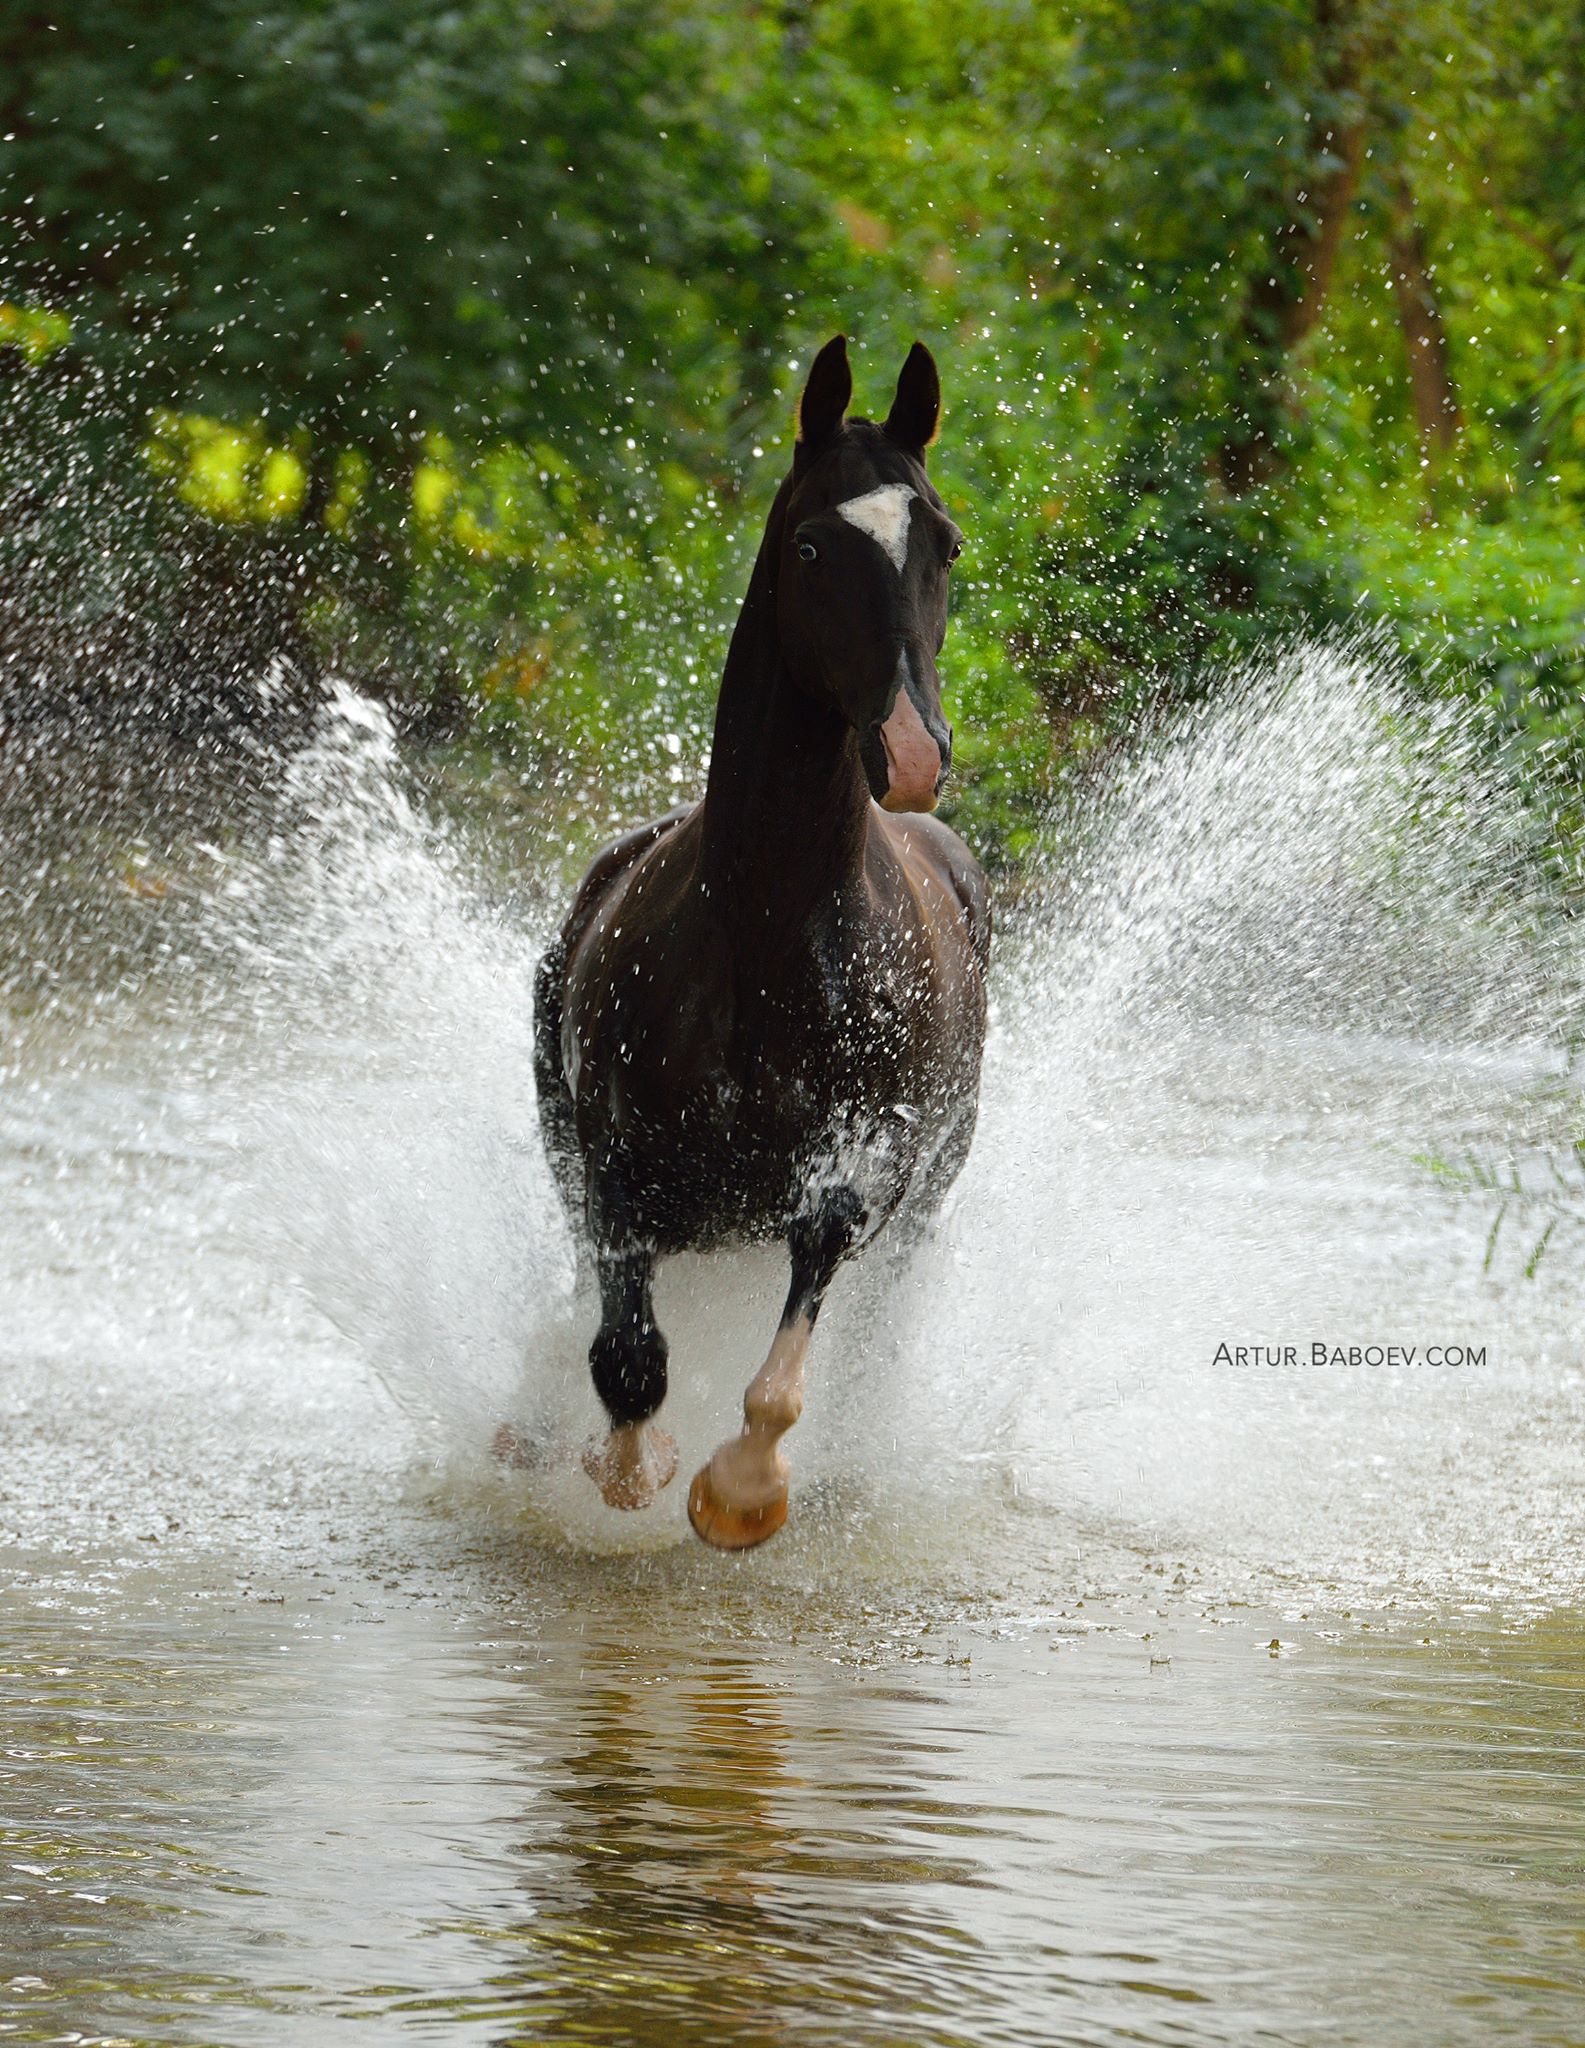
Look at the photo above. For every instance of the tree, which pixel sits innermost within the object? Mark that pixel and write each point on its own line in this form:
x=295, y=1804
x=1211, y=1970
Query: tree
x=352, y=227
x=369, y=219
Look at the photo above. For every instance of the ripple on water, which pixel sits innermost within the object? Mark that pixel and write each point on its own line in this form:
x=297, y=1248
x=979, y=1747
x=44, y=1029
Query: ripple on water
x=622, y=1811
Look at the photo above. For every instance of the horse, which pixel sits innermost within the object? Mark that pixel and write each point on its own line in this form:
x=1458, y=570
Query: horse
x=764, y=1015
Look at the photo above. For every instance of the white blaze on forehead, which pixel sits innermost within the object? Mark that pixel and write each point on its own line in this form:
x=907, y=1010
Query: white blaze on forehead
x=883, y=514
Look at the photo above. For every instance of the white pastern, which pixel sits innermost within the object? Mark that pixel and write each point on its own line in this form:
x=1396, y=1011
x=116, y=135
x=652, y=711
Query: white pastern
x=884, y=514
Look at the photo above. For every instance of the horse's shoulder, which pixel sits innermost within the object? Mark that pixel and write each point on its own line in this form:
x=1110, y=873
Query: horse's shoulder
x=612, y=865
x=922, y=844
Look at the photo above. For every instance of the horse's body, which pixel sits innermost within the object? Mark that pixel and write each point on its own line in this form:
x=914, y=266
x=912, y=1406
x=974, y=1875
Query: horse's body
x=764, y=1015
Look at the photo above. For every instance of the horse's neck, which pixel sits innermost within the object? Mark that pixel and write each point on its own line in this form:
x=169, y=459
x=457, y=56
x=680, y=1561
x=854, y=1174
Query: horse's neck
x=787, y=803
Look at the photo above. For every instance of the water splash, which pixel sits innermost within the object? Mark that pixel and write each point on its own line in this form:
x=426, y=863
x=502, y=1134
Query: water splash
x=373, y=1025
x=1290, y=951
x=1297, y=952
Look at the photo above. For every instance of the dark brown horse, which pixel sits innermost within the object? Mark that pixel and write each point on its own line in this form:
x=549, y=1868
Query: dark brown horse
x=764, y=1015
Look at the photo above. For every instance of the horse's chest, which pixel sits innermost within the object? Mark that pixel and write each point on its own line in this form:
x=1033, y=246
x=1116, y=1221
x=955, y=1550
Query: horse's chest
x=789, y=1051
x=838, y=1025
x=724, y=1080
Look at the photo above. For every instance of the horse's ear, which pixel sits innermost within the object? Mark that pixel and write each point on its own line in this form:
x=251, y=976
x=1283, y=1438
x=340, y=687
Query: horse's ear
x=916, y=410
x=826, y=394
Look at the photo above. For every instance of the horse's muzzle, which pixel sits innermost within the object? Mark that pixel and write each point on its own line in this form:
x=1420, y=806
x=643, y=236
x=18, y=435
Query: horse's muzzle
x=907, y=767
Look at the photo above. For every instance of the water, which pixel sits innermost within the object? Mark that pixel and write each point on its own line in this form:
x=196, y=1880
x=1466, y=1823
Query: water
x=1099, y=1687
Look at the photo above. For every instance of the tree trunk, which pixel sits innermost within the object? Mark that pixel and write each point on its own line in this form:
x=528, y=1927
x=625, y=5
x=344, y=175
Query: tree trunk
x=321, y=465
x=1286, y=303
x=1436, y=408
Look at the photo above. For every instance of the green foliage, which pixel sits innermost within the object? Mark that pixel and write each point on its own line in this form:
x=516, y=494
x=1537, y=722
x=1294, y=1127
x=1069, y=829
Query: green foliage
x=1546, y=1194
x=366, y=214
x=35, y=331
x=500, y=308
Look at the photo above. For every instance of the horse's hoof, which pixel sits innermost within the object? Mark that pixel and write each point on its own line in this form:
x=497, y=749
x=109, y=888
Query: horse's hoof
x=632, y=1465
x=509, y=1446
x=730, y=1528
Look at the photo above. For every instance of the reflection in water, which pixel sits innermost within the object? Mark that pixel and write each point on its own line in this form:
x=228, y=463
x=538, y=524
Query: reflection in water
x=625, y=1811
x=665, y=1834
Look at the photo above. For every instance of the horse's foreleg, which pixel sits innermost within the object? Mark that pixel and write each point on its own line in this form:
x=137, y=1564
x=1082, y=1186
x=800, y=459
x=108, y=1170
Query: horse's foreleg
x=740, y=1497
x=628, y=1363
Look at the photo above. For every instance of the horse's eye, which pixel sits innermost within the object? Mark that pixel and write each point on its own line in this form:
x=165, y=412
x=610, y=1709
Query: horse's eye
x=957, y=549
x=808, y=551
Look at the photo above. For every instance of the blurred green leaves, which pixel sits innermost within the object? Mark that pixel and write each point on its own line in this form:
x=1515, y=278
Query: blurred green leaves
x=500, y=305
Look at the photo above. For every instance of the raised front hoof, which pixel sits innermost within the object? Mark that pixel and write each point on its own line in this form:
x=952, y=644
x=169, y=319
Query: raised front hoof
x=727, y=1527
x=632, y=1464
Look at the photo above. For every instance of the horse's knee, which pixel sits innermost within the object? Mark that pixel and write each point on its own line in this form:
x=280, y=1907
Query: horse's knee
x=629, y=1371
x=819, y=1241
x=840, y=1223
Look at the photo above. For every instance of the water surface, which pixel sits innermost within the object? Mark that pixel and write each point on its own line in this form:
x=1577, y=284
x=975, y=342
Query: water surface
x=1096, y=1690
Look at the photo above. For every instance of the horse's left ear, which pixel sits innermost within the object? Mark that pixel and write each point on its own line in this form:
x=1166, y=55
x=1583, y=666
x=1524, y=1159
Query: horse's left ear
x=916, y=410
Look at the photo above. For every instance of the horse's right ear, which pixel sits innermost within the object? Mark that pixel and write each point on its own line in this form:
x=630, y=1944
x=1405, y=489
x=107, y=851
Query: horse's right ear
x=826, y=395
x=916, y=410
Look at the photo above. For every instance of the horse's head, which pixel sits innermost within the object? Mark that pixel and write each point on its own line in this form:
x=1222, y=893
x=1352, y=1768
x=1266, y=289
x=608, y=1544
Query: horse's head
x=862, y=578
